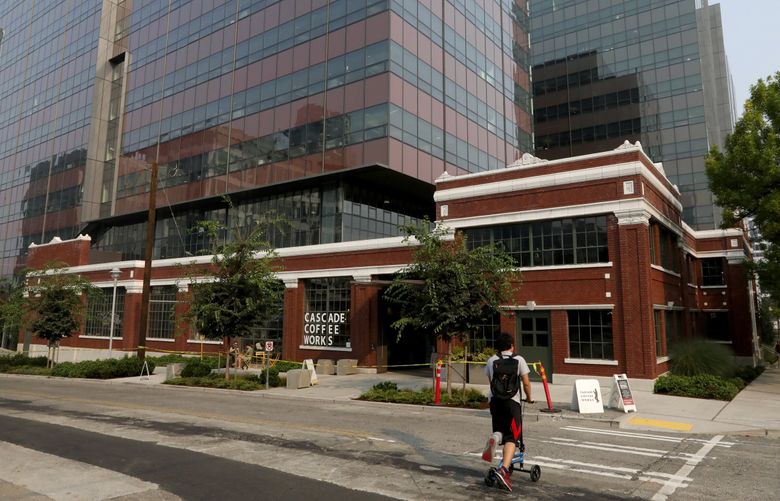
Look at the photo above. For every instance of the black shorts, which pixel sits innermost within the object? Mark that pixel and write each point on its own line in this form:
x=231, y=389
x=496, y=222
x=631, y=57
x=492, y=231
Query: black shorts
x=507, y=416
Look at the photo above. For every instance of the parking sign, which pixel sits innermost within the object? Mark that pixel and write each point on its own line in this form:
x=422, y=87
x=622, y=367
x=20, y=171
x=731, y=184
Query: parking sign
x=269, y=346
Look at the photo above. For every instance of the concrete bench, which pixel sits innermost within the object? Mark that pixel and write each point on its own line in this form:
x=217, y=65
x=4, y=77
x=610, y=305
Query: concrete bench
x=173, y=371
x=325, y=366
x=298, y=378
x=346, y=366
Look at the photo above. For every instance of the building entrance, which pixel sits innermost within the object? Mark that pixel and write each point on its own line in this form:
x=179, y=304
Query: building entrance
x=534, y=341
x=411, y=348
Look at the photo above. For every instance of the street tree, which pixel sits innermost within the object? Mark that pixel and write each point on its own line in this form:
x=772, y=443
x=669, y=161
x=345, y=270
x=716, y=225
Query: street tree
x=745, y=178
x=53, y=302
x=11, y=312
x=449, y=289
x=239, y=292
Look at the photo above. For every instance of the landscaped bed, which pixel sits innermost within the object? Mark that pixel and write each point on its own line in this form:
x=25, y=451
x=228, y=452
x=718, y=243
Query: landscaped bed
x=90, y=369
x=388, y=391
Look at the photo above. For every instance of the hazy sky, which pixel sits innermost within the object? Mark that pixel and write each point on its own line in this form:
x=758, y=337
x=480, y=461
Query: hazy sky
x=751, y=31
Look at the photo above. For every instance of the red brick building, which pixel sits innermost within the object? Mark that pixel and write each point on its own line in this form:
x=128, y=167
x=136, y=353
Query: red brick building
x=611, y=276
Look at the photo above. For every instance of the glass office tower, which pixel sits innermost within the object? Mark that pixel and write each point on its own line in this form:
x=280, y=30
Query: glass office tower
x=653, y=71
x=336, y=114
x=47, y=70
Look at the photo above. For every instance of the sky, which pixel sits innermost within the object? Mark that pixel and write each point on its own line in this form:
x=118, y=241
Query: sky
x=751, y=32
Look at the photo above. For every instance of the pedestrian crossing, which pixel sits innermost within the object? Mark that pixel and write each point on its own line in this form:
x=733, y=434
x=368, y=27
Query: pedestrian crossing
x=36, y=475
x=663, y=460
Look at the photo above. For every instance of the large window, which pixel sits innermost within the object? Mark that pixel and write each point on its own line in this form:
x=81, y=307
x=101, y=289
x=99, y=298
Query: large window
x=99, y=313
x=548, y=243
x=326, y=319
x=162, y=312
x=712, y=271
x=660, y=345
x=590, y=334
x=674, y=327
x=665, y=251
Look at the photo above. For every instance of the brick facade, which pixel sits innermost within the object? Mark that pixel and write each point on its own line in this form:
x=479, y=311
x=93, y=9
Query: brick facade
x=643, y=214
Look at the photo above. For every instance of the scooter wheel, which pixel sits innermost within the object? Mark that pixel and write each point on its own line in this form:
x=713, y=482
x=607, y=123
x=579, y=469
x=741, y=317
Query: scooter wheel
x=536, y=472
x=490, y=478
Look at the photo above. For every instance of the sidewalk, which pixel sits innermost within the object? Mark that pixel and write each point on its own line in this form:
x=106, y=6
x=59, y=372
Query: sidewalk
x=755, y=410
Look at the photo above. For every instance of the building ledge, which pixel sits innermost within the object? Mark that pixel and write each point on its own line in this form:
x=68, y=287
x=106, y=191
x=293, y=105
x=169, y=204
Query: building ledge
x=660, y=360
x=662, y=269
x=589, y=361
x=323, y=348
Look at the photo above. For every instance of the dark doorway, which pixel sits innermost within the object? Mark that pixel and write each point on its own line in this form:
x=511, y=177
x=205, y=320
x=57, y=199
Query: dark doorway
x=406, y=352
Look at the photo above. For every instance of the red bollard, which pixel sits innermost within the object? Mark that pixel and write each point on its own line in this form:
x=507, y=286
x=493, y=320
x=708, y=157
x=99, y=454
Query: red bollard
x=437, y=393
x=546, y=391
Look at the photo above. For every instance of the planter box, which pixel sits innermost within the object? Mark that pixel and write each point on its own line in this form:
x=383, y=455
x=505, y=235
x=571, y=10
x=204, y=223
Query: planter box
x=477, y=375
x=458, y=372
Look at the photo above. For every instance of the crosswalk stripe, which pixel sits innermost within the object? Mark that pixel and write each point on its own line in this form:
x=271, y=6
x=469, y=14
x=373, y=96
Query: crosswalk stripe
x=647, y=436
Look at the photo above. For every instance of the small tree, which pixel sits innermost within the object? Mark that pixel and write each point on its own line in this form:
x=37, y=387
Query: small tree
x=240, y=292
x=449, y=289
x=54, y=304
x=11, y=310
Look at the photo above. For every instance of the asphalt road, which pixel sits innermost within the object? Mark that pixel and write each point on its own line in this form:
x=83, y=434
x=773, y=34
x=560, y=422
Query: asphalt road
x=151, y=442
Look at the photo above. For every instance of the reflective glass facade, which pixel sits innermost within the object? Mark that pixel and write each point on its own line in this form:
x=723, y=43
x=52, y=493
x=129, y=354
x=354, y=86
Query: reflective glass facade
x=654, y=71
x=47, y=67
x=236, y=96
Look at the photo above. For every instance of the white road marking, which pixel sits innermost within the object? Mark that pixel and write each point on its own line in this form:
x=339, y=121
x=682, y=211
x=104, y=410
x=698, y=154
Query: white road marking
x=381, y=439
x=73, y=480
x=632, y=472
x=638, y=451
x=685, y=470
x=648, y=436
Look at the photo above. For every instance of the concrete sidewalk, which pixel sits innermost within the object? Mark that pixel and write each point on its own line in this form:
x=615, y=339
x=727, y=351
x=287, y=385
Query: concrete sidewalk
x=755, y=410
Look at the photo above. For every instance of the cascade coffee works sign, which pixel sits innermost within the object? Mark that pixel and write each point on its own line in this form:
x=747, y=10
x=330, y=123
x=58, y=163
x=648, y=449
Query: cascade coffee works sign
x=325, y=329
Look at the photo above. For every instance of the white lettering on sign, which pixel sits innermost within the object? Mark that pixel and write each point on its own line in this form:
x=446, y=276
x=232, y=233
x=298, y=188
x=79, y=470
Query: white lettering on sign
x=320, y=328
x=586, y=397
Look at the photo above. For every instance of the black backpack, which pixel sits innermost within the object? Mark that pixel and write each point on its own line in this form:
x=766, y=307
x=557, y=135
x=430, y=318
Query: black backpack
x=505, y=383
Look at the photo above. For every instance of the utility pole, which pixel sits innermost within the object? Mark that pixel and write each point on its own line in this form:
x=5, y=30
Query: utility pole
x=146, y=291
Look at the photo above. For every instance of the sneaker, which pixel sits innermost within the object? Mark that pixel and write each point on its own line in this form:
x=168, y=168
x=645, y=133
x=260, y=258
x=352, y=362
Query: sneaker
x=503, y=480
x=490, y=446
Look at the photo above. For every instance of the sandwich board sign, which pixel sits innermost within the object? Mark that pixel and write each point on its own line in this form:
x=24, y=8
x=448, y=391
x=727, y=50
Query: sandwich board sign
x=621, y=397
x=308, y=364
x=586, y=397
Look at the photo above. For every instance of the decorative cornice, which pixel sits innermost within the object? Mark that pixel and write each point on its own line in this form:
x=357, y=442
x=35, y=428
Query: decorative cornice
x=527, y=160
x=626, y=217
x=568, y=178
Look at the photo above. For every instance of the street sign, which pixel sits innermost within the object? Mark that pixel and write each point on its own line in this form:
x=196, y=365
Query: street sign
x=586, y=396
x=269, y=346
x=621, y=397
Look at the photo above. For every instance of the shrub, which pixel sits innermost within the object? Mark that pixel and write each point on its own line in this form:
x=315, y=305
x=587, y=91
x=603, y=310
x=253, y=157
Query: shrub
x=748, y=373
x=388, y=391
x=102, y=369
x=700, y=357
x=30, y=370
x=385, y=385
x=768, y=354
x=196, y=368
x=242, y=383
x=284, y=366
x=699, y=386
x=20, y=360
x=273, y=378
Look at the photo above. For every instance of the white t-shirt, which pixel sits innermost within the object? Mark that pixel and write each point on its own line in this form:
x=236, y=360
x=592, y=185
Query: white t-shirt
x=522, y=370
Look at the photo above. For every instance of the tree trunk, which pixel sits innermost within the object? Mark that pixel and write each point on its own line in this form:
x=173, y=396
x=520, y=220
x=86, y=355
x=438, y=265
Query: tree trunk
x=465, y=364
x=449, y=368
x=227, y=358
